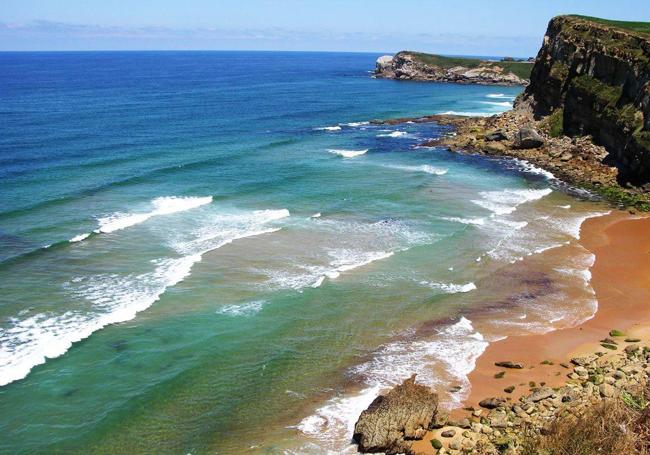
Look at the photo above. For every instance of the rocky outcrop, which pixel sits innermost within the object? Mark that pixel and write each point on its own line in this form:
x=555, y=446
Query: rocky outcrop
x=425, y=67
x=393, y=421
x=595, y=79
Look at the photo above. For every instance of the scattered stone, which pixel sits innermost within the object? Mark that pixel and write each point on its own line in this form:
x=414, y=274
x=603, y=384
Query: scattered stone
x=509, y=364
x=509, y=389
x=609, y=346
x=492, y=403
x=499, y=375
x=540, y=395
x=586, y=360
x=448, y=433
x=454, y=445
x=436, y=444
x=607, y=390
x=632, y=348
x=616, y=333
x=608, y=341
x=633, y=340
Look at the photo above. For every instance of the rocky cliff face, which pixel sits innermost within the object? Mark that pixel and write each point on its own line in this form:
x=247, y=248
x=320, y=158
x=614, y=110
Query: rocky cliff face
x=595, y=79
x=408, y=66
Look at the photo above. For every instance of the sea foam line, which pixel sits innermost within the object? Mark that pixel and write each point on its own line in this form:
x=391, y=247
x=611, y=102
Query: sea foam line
x=506, y=201
x=347, y=153
x=162, y=206
x=114, y=298
x=426, y=168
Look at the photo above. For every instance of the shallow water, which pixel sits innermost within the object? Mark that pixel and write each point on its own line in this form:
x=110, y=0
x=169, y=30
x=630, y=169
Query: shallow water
x=212, y=252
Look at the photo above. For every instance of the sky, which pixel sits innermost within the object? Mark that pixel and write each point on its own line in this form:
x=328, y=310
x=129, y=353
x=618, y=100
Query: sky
x=467, y=27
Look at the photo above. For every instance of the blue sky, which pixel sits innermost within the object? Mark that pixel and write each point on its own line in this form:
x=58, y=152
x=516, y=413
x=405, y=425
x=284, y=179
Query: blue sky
x=469, y=27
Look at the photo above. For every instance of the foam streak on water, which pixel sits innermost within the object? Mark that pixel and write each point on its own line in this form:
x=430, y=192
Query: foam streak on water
x=161, y=206
x=114, y=298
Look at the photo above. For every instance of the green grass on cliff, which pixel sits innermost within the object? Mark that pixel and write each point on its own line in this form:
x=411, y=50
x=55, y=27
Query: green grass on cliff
x=642, y=27
x=520, y=69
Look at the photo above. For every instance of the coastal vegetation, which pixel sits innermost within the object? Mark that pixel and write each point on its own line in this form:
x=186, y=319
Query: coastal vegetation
x=642, y=27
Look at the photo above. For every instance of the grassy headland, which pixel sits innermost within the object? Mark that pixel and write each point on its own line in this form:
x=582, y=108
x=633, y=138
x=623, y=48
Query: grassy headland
x=520, y=69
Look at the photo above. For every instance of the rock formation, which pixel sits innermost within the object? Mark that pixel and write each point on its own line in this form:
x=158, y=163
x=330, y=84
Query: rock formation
x=394, y=420
x=594, y=77
x=407, y=65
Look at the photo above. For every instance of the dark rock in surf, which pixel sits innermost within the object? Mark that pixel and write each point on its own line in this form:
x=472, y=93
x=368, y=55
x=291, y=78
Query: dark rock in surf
x=394, y=420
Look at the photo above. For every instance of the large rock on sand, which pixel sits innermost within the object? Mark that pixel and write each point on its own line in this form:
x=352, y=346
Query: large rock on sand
x=393, y=420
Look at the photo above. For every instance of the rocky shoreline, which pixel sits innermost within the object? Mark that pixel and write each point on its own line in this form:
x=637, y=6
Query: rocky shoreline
x=503, y=425
x=576, y=161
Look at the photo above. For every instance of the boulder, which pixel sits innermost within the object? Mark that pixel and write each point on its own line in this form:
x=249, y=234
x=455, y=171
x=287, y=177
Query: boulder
x=528, y=138
x=393, y=420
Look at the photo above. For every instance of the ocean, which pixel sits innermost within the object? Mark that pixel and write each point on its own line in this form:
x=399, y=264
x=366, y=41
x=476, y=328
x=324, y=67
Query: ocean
x=218, y=252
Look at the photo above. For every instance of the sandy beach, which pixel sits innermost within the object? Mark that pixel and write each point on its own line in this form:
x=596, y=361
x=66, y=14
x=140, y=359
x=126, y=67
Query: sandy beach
x=621, y=281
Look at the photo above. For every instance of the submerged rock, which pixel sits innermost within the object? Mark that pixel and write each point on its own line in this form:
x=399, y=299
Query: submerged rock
x=393, y=420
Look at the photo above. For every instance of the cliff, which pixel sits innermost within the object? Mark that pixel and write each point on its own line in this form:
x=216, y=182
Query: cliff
x=592, y=77
x=417, y=66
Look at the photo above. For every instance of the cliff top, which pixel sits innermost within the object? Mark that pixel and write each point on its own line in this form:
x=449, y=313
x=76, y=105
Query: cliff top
x=520, y=69
x=640, y=27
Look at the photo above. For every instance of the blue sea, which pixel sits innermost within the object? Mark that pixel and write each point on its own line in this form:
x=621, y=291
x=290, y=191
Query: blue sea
x=220, y=252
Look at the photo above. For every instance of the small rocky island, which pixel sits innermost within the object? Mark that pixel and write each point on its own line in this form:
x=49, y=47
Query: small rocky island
x=417, y=66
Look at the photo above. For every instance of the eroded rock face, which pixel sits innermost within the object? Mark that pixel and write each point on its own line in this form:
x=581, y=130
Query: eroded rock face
x=596, y=79
x=393, y=420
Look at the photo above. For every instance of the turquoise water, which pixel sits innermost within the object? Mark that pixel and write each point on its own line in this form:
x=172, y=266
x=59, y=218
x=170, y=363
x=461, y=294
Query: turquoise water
x=216, y=252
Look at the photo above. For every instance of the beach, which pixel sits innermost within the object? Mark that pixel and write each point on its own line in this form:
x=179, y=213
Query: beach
x=620, y=278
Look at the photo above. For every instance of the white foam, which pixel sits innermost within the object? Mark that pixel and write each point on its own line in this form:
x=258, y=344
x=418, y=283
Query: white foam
x=467, y=114
x=329, y=128
x=450, y=288
x=161, y=206
x=499, y=95
x=506, y=201
x=498, y=103
x=347, y=153
x=356, y=124
x=80, y=237
x=532, y=169
x=426, y=168
x=470, y=221
x=342, y=260
x=113, y=298
x=316, y=215
x=32, y=341
x=394, y=134
x=243, y=309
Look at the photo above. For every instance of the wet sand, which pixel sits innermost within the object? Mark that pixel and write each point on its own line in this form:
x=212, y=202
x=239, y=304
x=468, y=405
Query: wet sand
x=621, y=281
